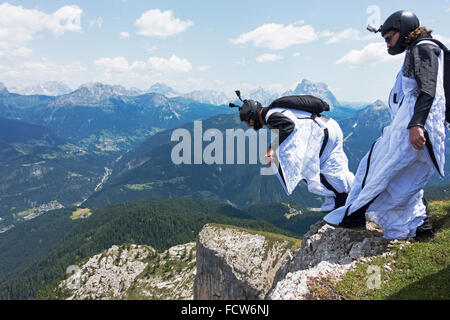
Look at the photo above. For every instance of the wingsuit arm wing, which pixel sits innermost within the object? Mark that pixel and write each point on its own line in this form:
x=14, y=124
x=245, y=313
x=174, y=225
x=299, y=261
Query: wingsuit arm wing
x=285, y=126
x=426, y=66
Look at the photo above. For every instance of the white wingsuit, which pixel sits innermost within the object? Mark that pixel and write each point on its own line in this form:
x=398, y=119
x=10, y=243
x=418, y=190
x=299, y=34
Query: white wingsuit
x=393, y=173
x=299, y=156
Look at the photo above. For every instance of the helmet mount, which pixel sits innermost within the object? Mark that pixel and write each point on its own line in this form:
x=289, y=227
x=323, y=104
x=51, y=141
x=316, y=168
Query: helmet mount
x=402, y=21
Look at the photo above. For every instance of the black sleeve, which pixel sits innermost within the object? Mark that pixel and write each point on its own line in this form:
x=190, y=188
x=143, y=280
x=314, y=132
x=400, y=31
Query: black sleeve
x=279, y=121
x=426, y=67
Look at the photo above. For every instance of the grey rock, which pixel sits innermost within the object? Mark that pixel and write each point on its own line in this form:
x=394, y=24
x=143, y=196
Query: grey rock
x=238, y=265
x=235, y=264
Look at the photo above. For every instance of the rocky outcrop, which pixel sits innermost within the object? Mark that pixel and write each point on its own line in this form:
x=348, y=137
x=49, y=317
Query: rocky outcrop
x=233, y=263
x=230, y=263
x=325, y=252
x=135, y=272
x=238, y=264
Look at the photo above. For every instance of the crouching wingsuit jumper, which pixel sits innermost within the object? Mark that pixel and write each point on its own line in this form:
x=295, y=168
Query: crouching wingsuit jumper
x=310, y=147
x=388, y=185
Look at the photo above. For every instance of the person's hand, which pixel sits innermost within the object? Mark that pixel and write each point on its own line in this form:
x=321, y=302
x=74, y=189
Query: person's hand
x=269, y=157
x=417, y=138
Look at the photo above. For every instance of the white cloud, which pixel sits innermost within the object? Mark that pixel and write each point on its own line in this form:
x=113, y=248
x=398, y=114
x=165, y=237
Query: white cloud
x=154, y=23
x=370, y=55
x=269, y=57
x=296, y=54
x=173, y=64
x=138, y=65
x=349, y=34
x=21, y=52
x=124, y=35
x=278, y=36
x=41, y=71
x=150, y=48
x=117, y=64
x=204, y=68
x=154, y=64
x=66, y=18
x=19, y=25
x=242, y=62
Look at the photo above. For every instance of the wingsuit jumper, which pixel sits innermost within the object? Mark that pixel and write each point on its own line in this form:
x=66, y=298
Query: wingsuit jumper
x=388, y=185
x=310, y=147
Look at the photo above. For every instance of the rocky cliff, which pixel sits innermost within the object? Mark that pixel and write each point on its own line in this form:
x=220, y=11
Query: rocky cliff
x=134, y=272
x=233, y=263
x=238, y=264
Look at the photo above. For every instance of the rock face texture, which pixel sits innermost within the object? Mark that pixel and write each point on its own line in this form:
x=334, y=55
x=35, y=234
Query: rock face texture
x=325, y=251
x=230, y=263
x=235, y=264
x=136, y=272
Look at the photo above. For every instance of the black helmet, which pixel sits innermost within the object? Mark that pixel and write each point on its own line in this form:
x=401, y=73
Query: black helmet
x=249, y=111
x=404, y=22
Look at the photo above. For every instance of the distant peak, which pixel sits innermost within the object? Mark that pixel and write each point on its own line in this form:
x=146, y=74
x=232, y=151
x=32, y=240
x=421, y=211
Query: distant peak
x=97, y=85
x=318, y=89
x=48, y=88
x=163, y=89
x=308, y=83
x=160, y=85
x=3, y=88
x=378, y=104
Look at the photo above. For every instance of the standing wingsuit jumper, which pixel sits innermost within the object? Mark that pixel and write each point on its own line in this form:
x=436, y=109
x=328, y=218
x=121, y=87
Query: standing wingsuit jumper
x=310, y=147
x=388, y=185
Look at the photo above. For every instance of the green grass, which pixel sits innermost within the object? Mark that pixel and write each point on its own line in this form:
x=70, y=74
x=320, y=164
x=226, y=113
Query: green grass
x=271, y=239
x=165, y=267
x=80, y=211
x=293, y=243
x=420, y=270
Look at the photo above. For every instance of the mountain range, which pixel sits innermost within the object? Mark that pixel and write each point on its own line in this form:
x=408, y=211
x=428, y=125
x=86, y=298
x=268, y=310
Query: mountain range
x=92, y=93
x=111, y=147
x=50, y=88
x=98, y=117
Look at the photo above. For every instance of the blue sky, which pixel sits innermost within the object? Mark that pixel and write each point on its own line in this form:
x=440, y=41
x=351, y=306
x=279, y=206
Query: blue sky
x=199, y=44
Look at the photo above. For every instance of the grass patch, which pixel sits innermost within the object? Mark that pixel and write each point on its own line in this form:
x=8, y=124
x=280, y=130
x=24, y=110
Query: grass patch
x=294, y=243
x=271, y=239
x=74, y=175
x=418, y=270
x=81, y=213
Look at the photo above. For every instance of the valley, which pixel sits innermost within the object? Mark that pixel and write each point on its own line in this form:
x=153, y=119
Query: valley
x=79, y=179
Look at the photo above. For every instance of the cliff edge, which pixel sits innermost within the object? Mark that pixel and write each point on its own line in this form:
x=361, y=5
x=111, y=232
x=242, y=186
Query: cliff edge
x=234, y=263
x=239, y=264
